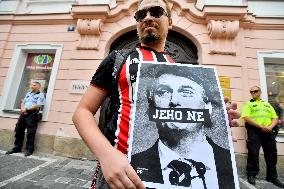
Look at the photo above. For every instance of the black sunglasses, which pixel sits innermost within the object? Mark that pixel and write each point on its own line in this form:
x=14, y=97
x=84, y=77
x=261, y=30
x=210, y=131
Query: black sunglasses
x=255, y=91
x=155, y=11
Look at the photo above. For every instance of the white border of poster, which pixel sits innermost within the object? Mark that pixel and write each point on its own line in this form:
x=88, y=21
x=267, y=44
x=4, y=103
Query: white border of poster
x=147, y=118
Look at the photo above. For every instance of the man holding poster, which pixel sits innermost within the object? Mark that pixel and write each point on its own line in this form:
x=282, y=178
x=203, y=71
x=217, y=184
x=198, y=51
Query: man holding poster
x=180, y=106
x=114, y=171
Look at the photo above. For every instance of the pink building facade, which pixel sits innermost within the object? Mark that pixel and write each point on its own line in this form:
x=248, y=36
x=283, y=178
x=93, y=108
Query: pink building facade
x=62, y=43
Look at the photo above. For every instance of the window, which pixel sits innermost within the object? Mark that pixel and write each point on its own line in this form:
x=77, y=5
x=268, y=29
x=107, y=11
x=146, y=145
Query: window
x=30, y=63
x=273, y=81
x=37, y=68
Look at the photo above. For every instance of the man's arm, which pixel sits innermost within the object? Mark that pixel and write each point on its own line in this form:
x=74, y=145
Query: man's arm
x=265, y=129
x=115, y=166
x=273, y=123
x=233, y=115
x=34, y=107
x=274, y=120
x=40, y=102
x=23, y=108
x=252, y=123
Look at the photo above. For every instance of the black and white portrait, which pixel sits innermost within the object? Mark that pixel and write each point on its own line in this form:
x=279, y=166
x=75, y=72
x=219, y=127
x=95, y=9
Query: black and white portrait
x=179, y=135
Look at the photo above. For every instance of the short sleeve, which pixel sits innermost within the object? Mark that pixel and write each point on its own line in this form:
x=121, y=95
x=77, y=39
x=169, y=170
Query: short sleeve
x=246, y=111
x=103, y=76
x=273, y=113
x=41, y=99
x=26, y=96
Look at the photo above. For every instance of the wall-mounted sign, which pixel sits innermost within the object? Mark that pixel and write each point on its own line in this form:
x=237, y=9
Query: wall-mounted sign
x=71, y=28
x=37, y=61
x=227, y=92
x=78, y=87
x=42, y=59
x=225, y=83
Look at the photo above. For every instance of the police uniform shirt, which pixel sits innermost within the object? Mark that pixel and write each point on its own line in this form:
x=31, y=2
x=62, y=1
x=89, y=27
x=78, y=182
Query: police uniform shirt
x=260, y=111
x=34, y=99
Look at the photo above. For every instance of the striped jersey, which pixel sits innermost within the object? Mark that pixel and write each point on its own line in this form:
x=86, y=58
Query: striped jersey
x=102, y=79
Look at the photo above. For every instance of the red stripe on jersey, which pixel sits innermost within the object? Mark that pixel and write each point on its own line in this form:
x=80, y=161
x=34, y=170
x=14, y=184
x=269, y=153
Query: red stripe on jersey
x=147, y=55
x=170, y=59
x=125, y=97
x=125, y=111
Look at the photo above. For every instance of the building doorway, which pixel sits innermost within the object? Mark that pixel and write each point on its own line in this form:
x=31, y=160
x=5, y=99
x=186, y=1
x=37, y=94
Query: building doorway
x=178, y=46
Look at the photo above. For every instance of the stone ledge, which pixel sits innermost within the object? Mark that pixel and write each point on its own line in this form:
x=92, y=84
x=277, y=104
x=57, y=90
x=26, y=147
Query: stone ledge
x=61, y=146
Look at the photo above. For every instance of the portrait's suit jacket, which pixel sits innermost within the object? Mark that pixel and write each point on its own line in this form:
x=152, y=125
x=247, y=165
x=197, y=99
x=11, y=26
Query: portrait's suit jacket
x=147, y=165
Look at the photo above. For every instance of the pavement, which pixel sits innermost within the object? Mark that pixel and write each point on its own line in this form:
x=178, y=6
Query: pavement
x=44, y=171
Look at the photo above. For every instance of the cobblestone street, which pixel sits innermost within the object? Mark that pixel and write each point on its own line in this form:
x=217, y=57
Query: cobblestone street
x=41, y=171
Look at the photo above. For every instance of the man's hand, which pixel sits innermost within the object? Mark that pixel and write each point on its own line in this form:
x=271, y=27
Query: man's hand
x=23, y=110
x=266, y=129
x=233, y=114
x=118, y=173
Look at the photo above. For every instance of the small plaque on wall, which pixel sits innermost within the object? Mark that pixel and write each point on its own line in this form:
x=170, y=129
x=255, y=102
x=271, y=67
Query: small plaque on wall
x=225, y=83
x=78, y=87
x=227, y=92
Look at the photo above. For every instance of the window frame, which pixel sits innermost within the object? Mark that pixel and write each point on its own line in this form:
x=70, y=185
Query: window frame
x=261, y=55
x=13, y=79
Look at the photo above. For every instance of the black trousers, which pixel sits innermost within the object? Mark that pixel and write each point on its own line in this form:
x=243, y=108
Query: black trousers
x=29, y=122
x=256, y=139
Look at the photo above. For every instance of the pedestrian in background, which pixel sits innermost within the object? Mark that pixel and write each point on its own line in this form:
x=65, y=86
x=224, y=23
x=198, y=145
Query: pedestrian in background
x=30, y=107
x=260, y=121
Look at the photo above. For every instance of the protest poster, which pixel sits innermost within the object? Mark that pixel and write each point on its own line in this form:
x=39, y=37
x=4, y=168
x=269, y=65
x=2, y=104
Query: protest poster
x=179, y=136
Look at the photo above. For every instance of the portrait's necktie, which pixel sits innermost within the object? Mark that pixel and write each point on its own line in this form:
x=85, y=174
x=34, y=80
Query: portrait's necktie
x=180, y=174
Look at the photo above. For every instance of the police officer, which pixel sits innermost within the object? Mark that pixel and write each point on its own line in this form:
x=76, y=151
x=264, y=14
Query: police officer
x=28, y=119
x=260, y=121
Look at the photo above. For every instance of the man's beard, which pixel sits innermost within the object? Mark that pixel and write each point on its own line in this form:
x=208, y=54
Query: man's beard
x=173, y=136
x=151, y=39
